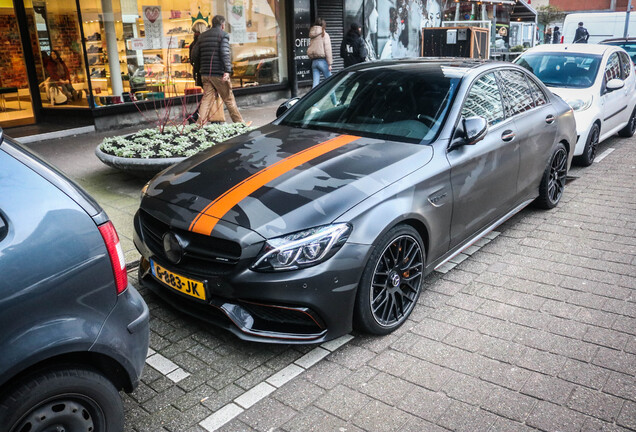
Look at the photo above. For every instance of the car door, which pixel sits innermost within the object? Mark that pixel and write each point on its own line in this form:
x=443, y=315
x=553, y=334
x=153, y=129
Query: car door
x=535, y=121
x=630, y=84
x=614, y=103
x=484, y=175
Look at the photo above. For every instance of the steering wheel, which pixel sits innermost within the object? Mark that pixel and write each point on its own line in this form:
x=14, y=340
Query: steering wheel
x=427, y=120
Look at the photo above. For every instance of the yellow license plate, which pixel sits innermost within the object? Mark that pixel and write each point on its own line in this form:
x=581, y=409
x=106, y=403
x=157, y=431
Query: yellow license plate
x=178, y=282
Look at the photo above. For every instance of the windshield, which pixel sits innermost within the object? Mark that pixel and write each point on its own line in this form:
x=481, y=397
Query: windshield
x=403, y=104
x=568, y=70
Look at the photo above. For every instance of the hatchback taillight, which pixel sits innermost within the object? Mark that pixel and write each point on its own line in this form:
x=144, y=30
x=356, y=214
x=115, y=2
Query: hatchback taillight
x=116, y=255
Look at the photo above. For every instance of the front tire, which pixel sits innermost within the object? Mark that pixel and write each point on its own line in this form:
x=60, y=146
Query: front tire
x=553, y=180
x=630, y=127
x=69, y=399
x=589, y=152
x=391, y=282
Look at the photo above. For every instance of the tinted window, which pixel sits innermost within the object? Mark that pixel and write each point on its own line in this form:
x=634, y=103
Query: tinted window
x=539, y=96
x=626, y=62
x=562, y=69
x=630, y=47
x=519, y=96
x=484, y=99
x=406, y=103
x=613, y=68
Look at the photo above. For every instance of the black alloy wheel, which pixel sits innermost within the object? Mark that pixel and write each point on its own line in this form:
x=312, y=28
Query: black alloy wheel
x=554, y=178
x=391, y=282
x=589, y=152
x=630, y=128
x=68, y=400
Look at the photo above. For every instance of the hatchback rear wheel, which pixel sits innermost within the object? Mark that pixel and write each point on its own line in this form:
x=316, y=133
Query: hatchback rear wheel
x=64, y=399
x=630, y=127
x=392, y=281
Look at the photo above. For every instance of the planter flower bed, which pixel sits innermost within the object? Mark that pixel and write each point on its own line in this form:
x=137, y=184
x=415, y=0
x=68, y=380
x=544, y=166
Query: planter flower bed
x=149, y=150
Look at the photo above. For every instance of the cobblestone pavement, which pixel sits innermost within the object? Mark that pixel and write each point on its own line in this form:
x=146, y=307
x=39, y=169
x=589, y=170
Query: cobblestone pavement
x=534, y=331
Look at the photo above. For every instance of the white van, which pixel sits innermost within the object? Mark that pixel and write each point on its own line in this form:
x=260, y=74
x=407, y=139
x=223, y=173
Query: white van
x=600, y=25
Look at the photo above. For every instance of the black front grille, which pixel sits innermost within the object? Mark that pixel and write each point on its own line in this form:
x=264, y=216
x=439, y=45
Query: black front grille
x=203, y=255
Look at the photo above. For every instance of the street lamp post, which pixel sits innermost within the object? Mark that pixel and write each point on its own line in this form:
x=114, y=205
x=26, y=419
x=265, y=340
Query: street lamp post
x=629, y=9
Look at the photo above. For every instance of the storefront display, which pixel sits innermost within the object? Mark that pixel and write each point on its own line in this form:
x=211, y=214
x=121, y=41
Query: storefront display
x=153, y=46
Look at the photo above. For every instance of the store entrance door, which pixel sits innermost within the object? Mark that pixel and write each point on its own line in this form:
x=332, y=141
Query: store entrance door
x=16, y=106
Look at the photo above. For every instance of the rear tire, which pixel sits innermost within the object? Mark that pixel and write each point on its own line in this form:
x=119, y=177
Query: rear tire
x=69, y=399
x=553, y=180
x=391, y=282
x=589, y=152
x=630, y=127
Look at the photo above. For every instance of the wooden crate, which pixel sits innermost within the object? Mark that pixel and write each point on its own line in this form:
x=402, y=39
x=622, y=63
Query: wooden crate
x=476, y=44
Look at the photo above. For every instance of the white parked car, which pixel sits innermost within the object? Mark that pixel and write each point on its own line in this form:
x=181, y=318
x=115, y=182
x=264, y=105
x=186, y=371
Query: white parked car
x=597, y=81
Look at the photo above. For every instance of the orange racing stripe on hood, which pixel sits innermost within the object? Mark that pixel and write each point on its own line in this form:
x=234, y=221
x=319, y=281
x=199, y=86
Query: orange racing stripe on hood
x=224, y=203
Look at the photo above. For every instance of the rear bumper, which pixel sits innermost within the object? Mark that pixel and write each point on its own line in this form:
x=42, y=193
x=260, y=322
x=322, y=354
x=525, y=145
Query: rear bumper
x=310, y=305
x=124, y=335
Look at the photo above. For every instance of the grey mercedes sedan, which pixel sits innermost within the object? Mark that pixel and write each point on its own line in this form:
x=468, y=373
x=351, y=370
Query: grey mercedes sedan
x=331, y=216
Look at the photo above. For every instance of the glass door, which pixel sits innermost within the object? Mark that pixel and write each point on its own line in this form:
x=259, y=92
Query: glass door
x=16, y=107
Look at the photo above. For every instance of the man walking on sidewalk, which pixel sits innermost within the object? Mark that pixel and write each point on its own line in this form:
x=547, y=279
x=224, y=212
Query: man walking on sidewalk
x=581, y=35
x=212, y=51
x=353, y=50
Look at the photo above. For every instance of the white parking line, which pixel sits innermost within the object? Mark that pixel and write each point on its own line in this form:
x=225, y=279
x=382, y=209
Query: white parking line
x=604, y=154
x=166, y=367
x=262, y=390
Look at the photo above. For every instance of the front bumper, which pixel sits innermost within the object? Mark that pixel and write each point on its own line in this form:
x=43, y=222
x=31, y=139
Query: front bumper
x=310, y=305
x=584, y=121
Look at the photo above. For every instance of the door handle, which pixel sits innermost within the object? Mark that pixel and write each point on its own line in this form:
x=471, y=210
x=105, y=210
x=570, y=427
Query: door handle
x=507, y=135
x=550, y=119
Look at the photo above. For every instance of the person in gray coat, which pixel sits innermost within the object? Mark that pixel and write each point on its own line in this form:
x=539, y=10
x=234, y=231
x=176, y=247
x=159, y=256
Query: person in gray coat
x=212, y=53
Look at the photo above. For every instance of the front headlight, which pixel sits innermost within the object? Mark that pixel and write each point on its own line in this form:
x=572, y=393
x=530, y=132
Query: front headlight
x=580, y=104
x=144, y=190
x=302, y=249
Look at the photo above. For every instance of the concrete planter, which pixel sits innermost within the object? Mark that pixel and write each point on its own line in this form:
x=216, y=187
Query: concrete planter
x=137, y=166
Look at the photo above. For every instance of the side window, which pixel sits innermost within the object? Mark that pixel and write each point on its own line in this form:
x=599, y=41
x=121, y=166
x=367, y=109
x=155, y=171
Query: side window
x=613, y=68
x=484, y=99
x=626, y=62
x=516, y=87
x=539, y=96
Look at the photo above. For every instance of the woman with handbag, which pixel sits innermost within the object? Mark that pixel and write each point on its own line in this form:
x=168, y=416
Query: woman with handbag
x=319, y=51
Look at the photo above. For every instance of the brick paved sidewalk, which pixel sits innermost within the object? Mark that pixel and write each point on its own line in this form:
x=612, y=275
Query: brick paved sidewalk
x=534, y=331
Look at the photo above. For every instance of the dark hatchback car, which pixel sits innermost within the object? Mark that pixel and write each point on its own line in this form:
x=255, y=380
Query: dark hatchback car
x=72, y=330
x=331, y=216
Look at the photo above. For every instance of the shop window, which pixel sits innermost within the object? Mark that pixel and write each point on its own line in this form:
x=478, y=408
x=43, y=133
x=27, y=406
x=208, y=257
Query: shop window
x=143, y=53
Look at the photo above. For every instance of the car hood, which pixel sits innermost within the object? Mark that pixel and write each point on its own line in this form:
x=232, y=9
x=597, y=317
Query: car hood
x=276, y=180
x=568, y=94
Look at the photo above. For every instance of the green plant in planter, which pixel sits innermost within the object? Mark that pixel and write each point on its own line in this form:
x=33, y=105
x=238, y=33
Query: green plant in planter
x=517, y=48
x=181, y=141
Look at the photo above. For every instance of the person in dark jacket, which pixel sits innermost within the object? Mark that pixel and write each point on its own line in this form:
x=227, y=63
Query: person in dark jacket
x=212, y=53
x=556, y=36
x=353, y=49
x=581, y=35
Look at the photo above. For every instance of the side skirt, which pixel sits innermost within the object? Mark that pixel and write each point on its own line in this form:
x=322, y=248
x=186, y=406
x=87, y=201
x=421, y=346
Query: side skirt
x=459, y=249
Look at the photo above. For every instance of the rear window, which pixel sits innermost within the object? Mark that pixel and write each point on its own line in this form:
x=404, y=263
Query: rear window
x=567, y=70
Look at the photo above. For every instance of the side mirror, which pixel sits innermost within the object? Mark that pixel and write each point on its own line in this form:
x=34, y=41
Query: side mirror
x=614, y=84
x=282, y=109
x=470, y=131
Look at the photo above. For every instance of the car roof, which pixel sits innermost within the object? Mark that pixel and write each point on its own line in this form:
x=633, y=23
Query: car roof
x=459, y=65
x=574, y=48
x=627, y=39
